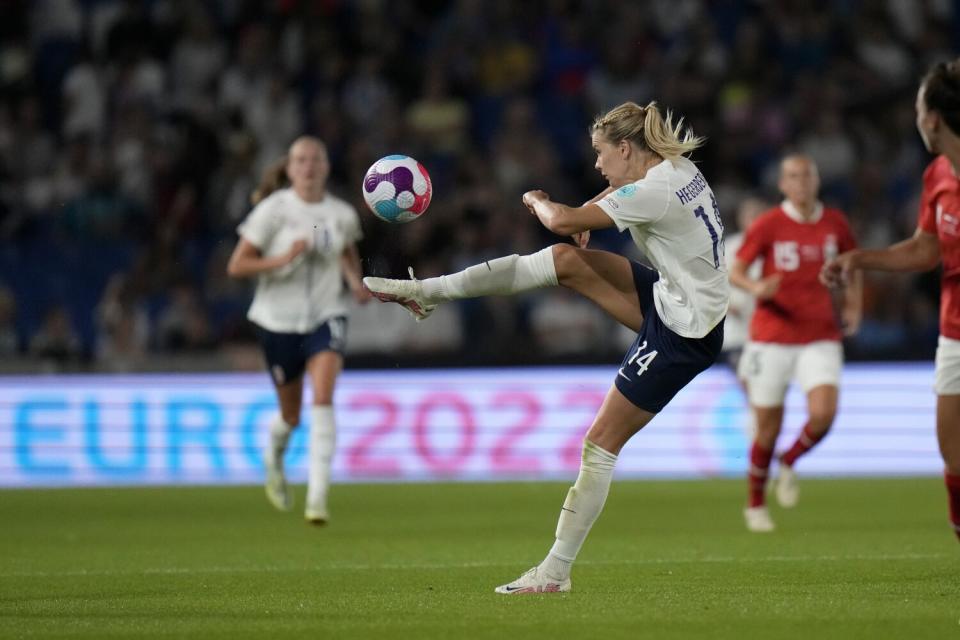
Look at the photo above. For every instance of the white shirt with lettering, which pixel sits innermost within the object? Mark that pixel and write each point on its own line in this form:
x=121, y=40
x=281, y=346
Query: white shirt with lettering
x=672, y=216
x=309, y=291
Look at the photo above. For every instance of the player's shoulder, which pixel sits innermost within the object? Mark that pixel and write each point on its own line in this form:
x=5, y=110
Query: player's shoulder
x=270, y=206
x=277, y=199
x=678, y=170
x=938, y=173
x=835, y=216
x=340, y=205
x=772, y=217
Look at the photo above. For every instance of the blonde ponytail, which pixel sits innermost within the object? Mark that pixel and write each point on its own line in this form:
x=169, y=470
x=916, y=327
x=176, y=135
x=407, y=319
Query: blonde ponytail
x=648, y=129
x=274, y=178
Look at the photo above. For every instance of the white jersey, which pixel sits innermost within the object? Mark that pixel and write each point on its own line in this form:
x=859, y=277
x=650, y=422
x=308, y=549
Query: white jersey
x=736, y=328
x=673, y=218
x=299, y=297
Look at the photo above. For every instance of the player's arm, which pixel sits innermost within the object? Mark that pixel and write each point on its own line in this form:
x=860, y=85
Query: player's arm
x=582, y=239
x=564, y=220
x=247, y=260
x=762, y=289
x=919, y=253
x=852, y=311
x=353, y=273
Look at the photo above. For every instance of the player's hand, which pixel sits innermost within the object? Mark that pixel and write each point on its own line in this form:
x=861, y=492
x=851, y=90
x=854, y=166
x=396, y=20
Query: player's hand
x=582, y=239
x=835, y=273
x=362, y=295
x=767, y=287
x=850, y=321
x=531, y=198
x=298, y=247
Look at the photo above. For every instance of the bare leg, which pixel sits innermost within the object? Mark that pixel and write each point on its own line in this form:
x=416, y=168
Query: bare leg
x=290, y=397
x=948, y=431
x=603, y=277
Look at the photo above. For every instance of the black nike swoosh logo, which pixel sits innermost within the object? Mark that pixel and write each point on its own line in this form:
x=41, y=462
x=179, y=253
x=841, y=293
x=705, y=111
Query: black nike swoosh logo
x=565, y=509
x=511, y=588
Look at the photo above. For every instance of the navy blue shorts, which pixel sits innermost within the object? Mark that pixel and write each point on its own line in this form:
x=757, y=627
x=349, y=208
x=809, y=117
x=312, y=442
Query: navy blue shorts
x=287, y=353
x=660, y=362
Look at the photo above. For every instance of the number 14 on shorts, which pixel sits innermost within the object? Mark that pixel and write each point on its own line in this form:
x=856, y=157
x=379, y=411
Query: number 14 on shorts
x=642, y=362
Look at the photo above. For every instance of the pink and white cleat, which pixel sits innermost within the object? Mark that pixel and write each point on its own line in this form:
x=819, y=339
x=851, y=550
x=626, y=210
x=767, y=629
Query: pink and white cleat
x=534, y=582
x=407, y=293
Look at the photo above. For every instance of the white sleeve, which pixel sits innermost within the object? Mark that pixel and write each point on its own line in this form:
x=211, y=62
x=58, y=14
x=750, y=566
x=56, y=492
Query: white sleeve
x=354, y=229
x=636, y=203
x=260, y=226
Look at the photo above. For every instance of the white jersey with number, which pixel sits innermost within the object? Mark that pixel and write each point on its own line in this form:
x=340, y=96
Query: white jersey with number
x=673, y=218
x=299, y=297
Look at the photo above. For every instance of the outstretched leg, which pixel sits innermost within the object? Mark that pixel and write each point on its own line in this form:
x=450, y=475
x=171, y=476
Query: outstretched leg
x=603, y=277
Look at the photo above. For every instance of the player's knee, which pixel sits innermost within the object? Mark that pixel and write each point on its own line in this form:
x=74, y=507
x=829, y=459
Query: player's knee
x=821, y=419
x=951, y=464
x=768, y=429
x=566, y=262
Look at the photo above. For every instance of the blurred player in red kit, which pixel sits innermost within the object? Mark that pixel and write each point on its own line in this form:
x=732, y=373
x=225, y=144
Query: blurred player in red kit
x=937, y=239
x=796, y=329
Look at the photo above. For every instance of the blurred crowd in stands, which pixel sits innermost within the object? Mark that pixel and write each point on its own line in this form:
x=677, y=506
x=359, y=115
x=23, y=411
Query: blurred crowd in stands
x=133, y=131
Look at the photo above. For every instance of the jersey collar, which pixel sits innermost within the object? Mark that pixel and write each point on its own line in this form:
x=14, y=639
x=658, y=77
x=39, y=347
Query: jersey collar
x=794, y=214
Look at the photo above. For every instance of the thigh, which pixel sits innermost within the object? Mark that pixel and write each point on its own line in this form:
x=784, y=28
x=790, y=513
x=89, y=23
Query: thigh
x=324, y=367
x=948, y=431
x=283, y=355
x=603, y=277
x=660, y=363
x=820, y=363
x=766, y=369
x=948, y=367
x=616, y=422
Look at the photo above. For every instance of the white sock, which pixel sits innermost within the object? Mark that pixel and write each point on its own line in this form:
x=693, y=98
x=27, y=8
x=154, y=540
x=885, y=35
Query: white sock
x=502, y=276
x=580, y=510
x=279, y=437
x=323, y=437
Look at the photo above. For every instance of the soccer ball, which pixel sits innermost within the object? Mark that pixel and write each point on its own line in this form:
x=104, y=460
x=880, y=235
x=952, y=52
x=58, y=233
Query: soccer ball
x=397, y=189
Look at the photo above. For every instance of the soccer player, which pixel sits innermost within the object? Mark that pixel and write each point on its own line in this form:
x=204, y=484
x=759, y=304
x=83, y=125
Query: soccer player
x=740, y=312
x=795, y=332
x=736, y=327
x=936, y=239
x=677, y=310
x=300, y=243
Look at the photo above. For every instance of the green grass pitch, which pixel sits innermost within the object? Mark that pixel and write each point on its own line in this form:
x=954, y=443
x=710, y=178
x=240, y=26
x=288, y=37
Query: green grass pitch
x=856, y=559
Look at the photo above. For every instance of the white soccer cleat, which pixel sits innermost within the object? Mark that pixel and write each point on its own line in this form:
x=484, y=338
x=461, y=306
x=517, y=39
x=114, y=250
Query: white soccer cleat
x=278, y=493
x=407, y=293
x=786, y=487
x=317, y=517
x=758, y=519
x=534, y=582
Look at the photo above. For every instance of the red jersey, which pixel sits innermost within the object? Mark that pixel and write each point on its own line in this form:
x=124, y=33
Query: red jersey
x=802, y=310
x=940, y=215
